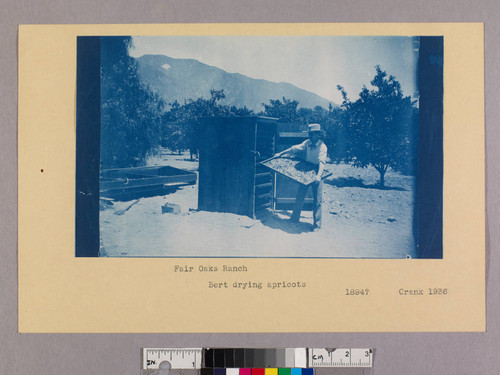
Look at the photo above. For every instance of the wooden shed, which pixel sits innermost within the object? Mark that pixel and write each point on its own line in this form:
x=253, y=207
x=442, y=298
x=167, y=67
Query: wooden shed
x=230, y=177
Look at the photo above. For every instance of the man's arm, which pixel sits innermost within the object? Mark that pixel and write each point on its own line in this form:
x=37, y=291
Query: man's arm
x=320, y=171
x=322, y=160
x=284, y=152
x=292, y=150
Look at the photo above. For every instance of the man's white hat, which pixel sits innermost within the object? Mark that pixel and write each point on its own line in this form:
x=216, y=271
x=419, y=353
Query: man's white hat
x=314, y=128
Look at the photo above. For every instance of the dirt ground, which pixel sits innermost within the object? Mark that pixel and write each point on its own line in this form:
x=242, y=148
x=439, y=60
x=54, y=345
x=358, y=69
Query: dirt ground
x=359, y=221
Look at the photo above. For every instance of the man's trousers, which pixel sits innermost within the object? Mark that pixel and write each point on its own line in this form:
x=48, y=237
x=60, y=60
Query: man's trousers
x=317, y=190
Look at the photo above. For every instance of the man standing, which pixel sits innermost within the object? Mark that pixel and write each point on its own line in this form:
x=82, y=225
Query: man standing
x=314, y=151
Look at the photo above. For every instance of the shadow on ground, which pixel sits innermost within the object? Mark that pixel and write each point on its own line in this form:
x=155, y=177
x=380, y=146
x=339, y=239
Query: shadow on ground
x=276, y=222
x=358, y=182
x=141, y=192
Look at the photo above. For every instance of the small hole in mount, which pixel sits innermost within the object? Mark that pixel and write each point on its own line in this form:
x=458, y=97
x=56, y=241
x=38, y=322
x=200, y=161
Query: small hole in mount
x=41, y=170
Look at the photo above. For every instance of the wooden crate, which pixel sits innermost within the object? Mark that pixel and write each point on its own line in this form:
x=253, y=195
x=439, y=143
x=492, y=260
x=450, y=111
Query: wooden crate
x=286, y=190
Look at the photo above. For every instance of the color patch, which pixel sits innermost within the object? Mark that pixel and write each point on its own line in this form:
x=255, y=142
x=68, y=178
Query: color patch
x=280, y=357
x=219, y=371
x=245, y=371
x=250, y=358
x=229, y=358
x=258, y=371
x=289, y=357
x=296, y=371
x=300, y=358
x=209, y=358
x=308, y=371
x=239, y=358
x=207, y=371
x=260, y=358
x=270, y=358
x=233, y=371
x=284, y=371
x=272, y=371
x=219, y=358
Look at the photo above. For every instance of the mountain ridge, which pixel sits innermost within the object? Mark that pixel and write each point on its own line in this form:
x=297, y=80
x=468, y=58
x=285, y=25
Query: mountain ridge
x=190, y=78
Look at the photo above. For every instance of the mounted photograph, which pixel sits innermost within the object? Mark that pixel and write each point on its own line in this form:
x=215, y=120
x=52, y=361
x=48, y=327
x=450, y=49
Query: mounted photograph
x=339, y=165
x=259, y=146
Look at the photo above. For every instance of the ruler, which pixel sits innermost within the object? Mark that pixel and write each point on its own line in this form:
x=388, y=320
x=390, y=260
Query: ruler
x=340, y=357
x=192, y=358
x=179, y=358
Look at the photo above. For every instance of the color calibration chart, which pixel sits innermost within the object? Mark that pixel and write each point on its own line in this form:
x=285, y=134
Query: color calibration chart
x=244, y=361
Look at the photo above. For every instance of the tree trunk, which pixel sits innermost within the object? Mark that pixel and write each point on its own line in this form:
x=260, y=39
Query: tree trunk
x=382, y=176
x=381, y=170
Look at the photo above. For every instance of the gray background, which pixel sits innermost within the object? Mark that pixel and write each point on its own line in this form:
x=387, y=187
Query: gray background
x=396, y=353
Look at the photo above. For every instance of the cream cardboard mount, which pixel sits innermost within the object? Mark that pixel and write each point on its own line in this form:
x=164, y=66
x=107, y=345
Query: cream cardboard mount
x=59, y=292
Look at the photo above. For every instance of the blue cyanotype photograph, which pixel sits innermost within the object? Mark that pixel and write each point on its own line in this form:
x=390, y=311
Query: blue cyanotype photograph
x=259, y=146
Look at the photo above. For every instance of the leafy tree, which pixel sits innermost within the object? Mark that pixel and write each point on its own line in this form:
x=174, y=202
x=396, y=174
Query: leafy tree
x=130, y=112
x=329, y=119
x=179, y=133
x=285, y=110
x=381, y=126
x=335, y=137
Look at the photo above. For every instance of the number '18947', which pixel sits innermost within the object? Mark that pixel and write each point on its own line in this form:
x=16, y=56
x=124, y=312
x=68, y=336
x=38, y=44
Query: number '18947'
x=357, y=292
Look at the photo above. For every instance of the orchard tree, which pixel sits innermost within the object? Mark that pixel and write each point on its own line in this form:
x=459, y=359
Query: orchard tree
x=381, y=126
x=335, y=138
x=179, y=130
x=285, y=110
x=329, y=119
x=130, y=112
x=317, y=115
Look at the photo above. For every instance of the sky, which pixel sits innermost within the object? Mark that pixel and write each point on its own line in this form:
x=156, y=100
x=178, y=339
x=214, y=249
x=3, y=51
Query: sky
x=314, y=63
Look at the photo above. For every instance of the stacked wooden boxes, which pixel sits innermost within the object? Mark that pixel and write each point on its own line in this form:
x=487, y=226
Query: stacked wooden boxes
x=289, y=134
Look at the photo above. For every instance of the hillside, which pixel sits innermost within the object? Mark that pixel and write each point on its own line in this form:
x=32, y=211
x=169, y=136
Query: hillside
x=179, y=79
